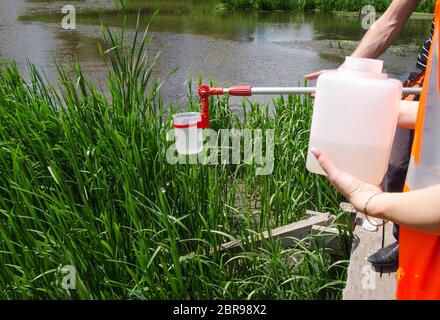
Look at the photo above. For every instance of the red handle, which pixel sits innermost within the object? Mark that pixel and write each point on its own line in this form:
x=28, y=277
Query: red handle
x=241, y=91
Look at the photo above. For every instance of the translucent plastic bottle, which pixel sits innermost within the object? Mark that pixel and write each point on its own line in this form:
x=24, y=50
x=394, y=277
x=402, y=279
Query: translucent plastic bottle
x=355, y=117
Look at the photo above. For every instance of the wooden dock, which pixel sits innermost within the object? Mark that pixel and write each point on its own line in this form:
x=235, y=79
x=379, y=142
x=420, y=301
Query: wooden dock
x=365, y=282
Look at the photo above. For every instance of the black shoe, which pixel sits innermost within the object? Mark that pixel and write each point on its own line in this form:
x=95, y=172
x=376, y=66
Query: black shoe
x=386, y=257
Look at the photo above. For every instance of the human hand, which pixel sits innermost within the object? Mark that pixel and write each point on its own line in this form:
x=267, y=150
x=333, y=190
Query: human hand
x=353, y=189
x=316, y=74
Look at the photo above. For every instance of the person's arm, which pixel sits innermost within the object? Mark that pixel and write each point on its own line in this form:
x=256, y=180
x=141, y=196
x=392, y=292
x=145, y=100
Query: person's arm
x=385, y=30
x=408, y=114
x=382, y=32
x=418, y=210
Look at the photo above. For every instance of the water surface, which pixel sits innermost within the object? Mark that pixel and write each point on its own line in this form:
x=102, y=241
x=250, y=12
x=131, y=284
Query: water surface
x=257, y=48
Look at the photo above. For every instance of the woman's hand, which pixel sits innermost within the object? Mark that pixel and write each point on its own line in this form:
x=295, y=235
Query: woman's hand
x=315, y=75
x=354, y=190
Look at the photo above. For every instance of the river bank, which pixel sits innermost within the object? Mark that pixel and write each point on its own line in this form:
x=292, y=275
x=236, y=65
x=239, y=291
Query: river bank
x=426, y=6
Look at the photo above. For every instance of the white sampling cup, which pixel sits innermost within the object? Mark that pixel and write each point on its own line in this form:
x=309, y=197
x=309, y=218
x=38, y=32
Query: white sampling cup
x=189, y=139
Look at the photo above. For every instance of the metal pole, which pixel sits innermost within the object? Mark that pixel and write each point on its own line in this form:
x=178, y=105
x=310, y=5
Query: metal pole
x=286, y=90
x=306, y=90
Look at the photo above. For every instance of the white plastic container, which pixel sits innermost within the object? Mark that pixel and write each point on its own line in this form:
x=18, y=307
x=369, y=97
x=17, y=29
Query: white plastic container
x=354, y=119
x=189, y=139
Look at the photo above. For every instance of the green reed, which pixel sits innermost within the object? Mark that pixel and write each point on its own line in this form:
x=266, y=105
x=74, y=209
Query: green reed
x=320, y=5
x=84, y=181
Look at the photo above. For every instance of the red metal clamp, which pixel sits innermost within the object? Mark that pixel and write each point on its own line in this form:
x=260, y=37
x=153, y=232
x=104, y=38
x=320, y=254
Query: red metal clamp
x=205, y=92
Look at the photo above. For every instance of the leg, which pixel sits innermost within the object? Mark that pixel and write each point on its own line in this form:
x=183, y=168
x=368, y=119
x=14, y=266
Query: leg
x=396, y=231
x=400, y=156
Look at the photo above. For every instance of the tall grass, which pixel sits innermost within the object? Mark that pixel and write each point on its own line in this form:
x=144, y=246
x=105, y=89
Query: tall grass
x=84, y=181
x=321, y=5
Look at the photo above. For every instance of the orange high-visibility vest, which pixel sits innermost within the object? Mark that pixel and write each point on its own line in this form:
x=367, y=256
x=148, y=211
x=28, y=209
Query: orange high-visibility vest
x=419, y=252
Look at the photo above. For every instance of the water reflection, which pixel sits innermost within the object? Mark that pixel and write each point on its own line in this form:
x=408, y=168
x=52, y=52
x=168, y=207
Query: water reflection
x=260, y=48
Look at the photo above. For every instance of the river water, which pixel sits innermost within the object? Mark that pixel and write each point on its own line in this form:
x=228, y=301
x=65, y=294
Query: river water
x=257, y=48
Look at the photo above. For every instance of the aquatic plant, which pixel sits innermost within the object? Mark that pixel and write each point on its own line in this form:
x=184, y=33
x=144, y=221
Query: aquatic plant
x=85, y=183
x=321, y=5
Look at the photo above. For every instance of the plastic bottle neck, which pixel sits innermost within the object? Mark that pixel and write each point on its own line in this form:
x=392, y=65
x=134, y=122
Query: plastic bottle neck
x=363, y=67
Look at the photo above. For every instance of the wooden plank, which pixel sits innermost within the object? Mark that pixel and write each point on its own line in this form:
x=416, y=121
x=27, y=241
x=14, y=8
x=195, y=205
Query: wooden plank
x=297, y=230
x=327, y=237
x=365, y=282
x=311, y=213
x=347, y=207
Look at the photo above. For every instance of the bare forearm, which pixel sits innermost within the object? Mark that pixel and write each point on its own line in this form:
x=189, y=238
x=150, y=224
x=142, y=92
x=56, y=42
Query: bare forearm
x=385, y=30
x=419, y=210
x=377, y=40
x=408, y=114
